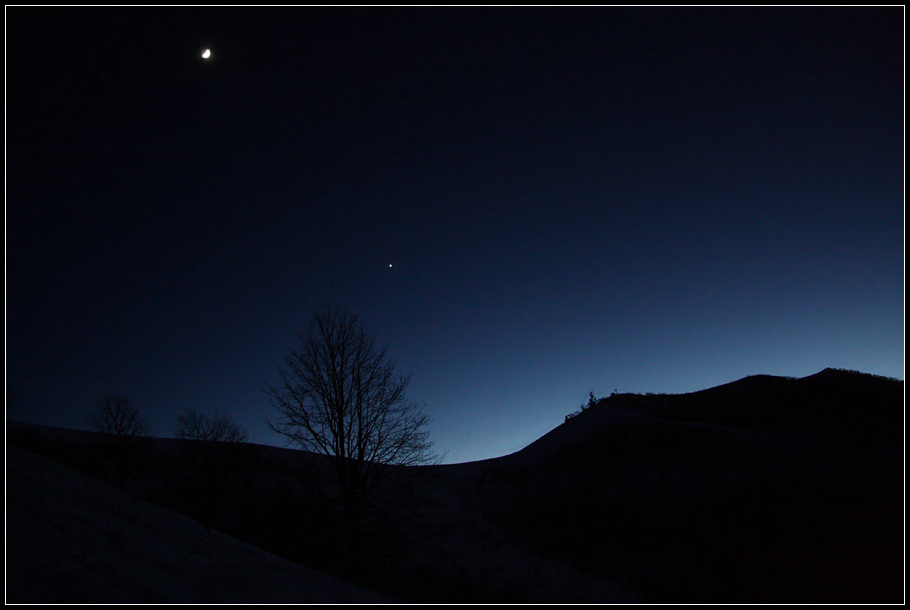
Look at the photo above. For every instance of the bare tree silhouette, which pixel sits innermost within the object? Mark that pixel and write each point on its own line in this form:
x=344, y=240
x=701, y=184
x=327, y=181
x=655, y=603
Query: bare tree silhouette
x=339, y=397
x=213, y=446
x=123, y=428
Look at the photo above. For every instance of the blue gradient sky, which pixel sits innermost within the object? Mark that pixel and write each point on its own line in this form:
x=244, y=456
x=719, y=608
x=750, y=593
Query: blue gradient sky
x=572, y=200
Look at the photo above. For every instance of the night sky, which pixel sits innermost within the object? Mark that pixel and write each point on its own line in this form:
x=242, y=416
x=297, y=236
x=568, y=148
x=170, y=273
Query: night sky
x=523, y=205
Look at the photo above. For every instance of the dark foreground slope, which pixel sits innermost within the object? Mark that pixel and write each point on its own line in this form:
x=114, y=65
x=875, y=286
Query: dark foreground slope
x=79, y=551
x=768, y=489
x=73, y=539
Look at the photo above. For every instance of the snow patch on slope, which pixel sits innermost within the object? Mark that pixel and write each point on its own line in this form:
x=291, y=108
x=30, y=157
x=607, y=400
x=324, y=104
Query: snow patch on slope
x=71, y=538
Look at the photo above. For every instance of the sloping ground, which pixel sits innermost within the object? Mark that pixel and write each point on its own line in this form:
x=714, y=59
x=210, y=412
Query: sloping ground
x=73, y=539
x=467, y=557
x=446, y=552
x=830, y=405
x=765, y=490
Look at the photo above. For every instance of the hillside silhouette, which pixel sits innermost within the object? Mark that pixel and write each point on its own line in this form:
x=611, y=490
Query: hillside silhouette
x=833, y=404
x=766, y=490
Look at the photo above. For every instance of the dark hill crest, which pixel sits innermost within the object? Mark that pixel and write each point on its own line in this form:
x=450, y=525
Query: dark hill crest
x=766, y=489
x=833, y=404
